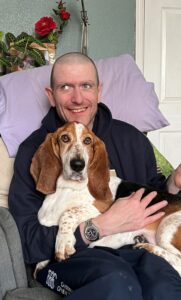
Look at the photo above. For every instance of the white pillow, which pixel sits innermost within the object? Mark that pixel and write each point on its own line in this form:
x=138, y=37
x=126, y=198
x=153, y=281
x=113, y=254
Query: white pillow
x=130, y=98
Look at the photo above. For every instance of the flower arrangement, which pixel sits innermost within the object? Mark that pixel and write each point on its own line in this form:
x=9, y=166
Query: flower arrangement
x=17, y=51
x=47, y=30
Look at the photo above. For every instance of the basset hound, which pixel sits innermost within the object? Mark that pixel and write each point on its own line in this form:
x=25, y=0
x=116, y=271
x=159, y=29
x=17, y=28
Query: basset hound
x=72, y=168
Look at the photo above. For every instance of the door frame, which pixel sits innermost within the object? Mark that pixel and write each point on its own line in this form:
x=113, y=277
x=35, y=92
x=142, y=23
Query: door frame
x=139, y=39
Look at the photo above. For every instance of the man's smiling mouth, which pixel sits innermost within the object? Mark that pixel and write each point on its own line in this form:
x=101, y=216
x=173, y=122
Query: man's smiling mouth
x=77, y=110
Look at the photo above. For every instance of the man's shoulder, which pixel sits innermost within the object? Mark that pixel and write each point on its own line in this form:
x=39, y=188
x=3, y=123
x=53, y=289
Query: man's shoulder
x=126, y=129
x=127, y=134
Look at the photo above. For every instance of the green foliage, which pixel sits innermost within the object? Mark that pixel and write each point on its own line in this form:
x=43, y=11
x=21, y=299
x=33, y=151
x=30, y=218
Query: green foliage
x=22, y=48
x=3, y=47
x=1, y=35
x=163, y=165
x=9, y=38
x=25, y=40
x=5, y=62
x=37, y=55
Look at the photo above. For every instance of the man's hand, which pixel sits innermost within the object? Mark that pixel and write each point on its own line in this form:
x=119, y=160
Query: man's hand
x=129, y=214
x=174, y=182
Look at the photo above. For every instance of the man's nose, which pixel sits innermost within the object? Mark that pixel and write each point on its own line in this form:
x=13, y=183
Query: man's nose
x=77, y=96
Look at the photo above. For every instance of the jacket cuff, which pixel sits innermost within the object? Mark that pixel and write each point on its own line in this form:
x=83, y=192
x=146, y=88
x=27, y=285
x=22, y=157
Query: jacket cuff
x=80, y=244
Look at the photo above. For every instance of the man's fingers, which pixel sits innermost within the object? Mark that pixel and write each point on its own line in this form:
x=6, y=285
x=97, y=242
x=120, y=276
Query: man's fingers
x=138, y=194
x=151, y=212
x=154, y=208
x=154, y=218
x=148, y=198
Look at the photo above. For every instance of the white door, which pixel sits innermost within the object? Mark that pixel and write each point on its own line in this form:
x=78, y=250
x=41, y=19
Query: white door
x=161, y=63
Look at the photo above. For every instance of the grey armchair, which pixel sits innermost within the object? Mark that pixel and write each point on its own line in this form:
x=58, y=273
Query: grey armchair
x=16, y=281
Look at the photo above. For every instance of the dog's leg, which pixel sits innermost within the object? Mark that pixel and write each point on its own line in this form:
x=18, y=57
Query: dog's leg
x=169, y=233
x=40, y=266
x=115, y=241
x=69, y=221
x=167, y=241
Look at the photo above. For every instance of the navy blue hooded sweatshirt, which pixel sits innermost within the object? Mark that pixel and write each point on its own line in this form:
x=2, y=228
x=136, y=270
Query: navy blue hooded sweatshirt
x=130, y=154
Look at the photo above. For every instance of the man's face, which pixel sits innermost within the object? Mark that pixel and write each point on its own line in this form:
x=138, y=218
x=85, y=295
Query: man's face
x=75, y=93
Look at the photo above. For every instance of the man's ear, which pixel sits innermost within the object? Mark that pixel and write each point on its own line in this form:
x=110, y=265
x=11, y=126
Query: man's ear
x=50, y=96
x=100, y=87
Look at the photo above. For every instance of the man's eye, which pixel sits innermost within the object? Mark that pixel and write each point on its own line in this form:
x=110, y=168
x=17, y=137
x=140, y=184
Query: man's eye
x=65, y=87
x=86, y=86
x=65, y=138
x=87, y=140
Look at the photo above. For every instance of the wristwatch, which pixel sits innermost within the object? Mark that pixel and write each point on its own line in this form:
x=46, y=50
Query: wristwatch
x=91, y=232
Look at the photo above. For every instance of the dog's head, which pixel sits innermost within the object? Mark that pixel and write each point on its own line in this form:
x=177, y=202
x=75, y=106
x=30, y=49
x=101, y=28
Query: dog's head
x=74, y=152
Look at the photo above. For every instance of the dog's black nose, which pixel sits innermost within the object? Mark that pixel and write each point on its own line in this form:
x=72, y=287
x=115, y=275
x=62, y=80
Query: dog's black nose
x=77, y=165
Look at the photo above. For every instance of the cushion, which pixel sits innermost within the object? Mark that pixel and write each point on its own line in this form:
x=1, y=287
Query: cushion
x=6, y=171
x=23, y=102
x=129, y=96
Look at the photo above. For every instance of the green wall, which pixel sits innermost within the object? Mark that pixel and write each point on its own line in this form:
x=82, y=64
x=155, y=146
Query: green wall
x=111, y=27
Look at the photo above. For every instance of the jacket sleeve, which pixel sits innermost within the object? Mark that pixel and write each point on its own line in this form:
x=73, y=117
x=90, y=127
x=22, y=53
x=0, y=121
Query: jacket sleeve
x=131, y=155
x=155, y=179
x=38, y=241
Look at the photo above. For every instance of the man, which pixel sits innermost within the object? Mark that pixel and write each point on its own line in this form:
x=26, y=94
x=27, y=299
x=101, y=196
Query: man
x=99, y=273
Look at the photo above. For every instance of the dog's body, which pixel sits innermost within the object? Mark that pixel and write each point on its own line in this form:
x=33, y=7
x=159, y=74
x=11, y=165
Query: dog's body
x=72, y=167
x=71, y=205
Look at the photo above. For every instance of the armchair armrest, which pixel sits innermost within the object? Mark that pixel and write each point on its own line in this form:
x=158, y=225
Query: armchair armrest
x=13, y=273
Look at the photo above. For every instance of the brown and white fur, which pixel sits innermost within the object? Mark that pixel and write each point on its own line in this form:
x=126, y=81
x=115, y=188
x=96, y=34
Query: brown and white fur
x=71, y=167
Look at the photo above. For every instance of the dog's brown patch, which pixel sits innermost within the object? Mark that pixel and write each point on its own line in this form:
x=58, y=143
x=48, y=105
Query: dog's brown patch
x=176, y=241
x=153, y=226
x=102, y=206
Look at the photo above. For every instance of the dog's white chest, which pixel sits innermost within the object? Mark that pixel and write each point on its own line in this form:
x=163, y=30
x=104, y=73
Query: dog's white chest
x=68, y=195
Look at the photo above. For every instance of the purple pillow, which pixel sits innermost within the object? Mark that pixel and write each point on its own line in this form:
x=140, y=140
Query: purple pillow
x=23, y=102
x=130, y=97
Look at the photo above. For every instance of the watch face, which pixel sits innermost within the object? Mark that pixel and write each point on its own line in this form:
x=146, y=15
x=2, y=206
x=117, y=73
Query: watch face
x=91, y=232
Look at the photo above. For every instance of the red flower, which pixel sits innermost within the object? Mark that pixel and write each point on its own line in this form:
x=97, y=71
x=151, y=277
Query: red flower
x=45, y=25
x=64, y=15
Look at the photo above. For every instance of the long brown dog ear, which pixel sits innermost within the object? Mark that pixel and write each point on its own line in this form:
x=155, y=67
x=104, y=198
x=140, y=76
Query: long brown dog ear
x=46, y=165
x=99, y=175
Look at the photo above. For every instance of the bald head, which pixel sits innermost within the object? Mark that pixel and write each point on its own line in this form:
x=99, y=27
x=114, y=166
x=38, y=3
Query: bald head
x=72, y=58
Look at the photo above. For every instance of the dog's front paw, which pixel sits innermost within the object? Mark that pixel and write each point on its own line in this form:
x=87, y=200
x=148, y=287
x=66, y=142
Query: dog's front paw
x=64, y=246
x=140, y=239
x=146, y=246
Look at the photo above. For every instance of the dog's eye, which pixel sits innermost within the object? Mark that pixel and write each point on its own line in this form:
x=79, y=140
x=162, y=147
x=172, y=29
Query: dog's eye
x=65, y=138
x=87, y=140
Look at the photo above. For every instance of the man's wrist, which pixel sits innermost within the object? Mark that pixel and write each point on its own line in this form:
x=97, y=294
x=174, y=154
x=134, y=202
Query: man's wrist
x=171, y=186
x=100, y=223
x=97, y=222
